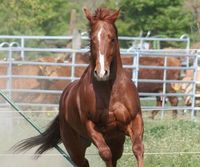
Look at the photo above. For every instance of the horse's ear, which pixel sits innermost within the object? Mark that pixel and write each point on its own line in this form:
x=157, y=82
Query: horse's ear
x=88, y=14
x=114, y=16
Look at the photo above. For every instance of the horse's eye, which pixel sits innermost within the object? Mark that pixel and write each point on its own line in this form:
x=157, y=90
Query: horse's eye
x=93, y=41
x=112, y=40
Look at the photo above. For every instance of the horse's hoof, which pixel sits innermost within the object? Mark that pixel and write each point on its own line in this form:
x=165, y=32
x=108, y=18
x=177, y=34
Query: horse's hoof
x=86, y=163
x=174, y=116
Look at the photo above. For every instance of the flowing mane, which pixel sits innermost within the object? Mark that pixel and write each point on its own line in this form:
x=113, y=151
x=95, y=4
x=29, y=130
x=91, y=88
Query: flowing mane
x=103, y=14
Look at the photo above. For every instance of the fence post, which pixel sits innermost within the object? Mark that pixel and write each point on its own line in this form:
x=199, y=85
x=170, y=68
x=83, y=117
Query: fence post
x=10, y=64
x=22, y=48
x=164, y=86
x=9, y=72
x=195, y=65
x=188, y=50
x=136, y=66
x=76, y=44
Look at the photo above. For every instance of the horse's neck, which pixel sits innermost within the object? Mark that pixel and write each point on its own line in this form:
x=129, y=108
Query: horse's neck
x=116, y=68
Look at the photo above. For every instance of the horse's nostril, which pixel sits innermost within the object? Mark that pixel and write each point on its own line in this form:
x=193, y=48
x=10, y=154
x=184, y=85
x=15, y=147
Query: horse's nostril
x=95, y=72
x=106, y=72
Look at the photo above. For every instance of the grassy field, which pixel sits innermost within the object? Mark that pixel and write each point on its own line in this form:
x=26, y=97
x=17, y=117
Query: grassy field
x=168, y=143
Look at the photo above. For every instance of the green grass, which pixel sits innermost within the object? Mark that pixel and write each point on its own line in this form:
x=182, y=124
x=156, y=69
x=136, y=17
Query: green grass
x=168, y=143
x=167, y=136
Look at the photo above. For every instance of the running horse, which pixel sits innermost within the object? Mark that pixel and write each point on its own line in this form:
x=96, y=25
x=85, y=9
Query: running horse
x=100, y=108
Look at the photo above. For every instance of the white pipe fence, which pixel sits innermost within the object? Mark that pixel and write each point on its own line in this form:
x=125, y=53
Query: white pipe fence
x=19, y=45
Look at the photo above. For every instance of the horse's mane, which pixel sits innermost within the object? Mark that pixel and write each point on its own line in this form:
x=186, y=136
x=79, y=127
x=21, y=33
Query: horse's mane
x=103, y=14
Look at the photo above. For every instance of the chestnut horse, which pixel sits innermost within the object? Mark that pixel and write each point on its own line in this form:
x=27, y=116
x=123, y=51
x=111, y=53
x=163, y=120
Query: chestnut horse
x=100, y=108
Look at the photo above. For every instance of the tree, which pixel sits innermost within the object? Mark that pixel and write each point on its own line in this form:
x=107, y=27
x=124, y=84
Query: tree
x=193, y=6
x=23, y=16
x=28, y=17
x=160, y=17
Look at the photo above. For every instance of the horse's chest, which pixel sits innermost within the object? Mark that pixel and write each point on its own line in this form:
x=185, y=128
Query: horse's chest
x=115, y=116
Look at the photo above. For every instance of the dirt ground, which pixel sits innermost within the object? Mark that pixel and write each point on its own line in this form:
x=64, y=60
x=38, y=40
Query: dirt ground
x=14, y=128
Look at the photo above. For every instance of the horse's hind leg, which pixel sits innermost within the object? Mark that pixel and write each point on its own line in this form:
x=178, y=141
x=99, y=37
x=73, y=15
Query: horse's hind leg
x=116, y=145
x=135, y=130
x=75, y=145
x=158, y=103
x=173, y=100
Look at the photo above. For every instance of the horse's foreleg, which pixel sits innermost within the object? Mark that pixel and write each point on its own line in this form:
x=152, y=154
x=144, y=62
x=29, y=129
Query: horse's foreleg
x=116, y=145
x=99, y=141
x=135, y=130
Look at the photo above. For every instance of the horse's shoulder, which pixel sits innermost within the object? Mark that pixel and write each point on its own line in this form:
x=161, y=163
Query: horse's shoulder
x=71, y=86
x=121, y=112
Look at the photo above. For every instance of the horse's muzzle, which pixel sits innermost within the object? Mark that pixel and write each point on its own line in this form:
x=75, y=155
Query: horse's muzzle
x=102, y=75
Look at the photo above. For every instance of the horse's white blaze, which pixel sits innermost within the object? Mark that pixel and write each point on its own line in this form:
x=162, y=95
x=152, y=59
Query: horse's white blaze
x=101, y=56
x=99, y=35
x=102, y=68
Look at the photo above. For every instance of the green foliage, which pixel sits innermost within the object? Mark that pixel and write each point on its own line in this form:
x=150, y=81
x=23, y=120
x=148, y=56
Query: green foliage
x=28, y=17
x=41, y=17
x=158, y=16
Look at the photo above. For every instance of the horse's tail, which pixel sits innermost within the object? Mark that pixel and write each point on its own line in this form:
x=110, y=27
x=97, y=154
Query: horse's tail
x=47, y=140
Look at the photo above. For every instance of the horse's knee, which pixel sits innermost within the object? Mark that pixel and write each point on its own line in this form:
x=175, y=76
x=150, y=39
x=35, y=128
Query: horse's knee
x=138, y=149
x=105, y=153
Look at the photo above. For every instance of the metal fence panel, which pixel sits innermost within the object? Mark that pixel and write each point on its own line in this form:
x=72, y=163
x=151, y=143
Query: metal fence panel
x=22, y=52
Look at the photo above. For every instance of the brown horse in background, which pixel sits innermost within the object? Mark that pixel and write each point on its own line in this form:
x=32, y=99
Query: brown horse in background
x=157, y=74
x=143, y=73
x=20, y=83
x=187, y=88
x=100, y=108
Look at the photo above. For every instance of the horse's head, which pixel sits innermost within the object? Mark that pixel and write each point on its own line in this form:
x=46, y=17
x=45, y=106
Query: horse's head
x=103, y=41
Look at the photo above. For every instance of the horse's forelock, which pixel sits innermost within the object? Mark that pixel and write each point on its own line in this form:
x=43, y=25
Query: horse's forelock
x=102, y=13
x=106, y=15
